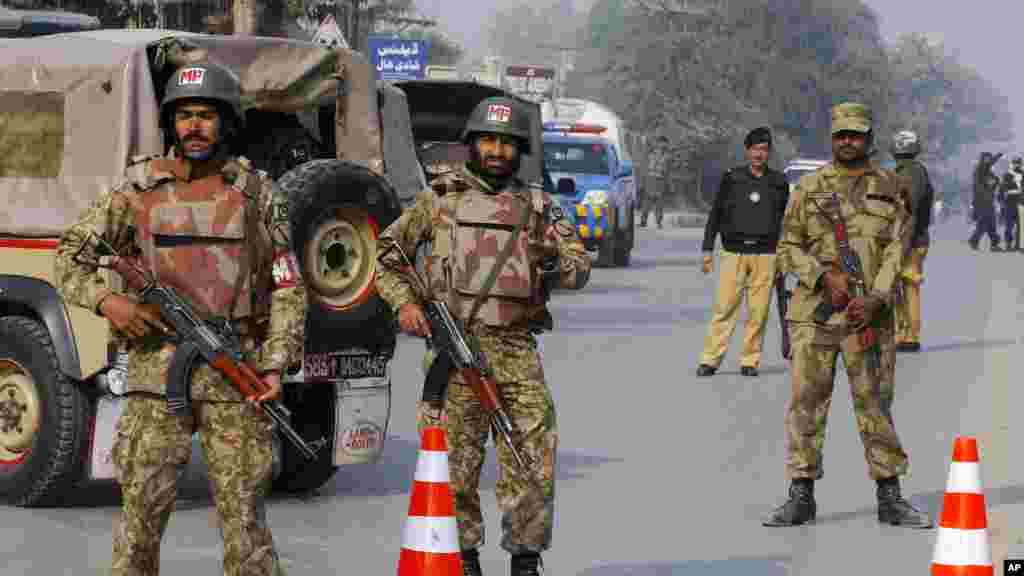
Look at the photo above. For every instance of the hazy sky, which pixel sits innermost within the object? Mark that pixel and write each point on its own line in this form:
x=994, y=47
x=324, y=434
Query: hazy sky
x=986, y=34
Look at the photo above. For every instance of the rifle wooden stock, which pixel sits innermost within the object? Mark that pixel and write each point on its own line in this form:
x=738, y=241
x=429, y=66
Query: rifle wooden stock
x=241, y=375
x=485, y=390
x=169, y=306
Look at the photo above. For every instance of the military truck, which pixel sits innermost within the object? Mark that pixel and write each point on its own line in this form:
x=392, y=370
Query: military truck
x=76, y=108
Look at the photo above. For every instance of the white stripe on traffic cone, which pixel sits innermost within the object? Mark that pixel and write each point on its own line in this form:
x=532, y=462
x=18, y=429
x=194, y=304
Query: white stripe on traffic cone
x=961, y=545
x=430, y=539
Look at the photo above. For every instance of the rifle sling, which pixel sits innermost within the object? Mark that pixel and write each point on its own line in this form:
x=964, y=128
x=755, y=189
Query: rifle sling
x=499, y=263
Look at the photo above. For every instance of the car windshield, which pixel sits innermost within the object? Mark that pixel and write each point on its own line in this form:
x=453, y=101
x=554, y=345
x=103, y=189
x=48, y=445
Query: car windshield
x=582, y=158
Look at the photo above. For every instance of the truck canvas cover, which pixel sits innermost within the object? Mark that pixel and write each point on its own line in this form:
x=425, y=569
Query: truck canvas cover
x=74, y=108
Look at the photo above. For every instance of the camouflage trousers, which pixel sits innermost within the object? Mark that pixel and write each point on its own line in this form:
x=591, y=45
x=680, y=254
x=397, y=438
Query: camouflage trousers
x=150, y=453
x=527, y=505
x=815, y=351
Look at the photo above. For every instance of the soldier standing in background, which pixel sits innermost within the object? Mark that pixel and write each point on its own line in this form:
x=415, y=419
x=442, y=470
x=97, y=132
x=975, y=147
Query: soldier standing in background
x=873, y=202
x=905, y=148
x=985, y=185
x=197, y=191
x=657, y=181
x=1012, y=189
x=747, y=213
x=467, y=218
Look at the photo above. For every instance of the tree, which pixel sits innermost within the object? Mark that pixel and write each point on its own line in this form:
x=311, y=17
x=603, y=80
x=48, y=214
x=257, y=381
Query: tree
x=949, y=105
x=442, y=50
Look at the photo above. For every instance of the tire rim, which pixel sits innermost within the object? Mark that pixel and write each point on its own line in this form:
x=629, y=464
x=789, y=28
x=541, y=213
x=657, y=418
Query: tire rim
x=19, y=410
x=340, y=258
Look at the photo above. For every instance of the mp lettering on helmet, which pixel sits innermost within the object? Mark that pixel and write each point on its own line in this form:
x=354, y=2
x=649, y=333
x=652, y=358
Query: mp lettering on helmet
x=191, y=77
x=499, y=113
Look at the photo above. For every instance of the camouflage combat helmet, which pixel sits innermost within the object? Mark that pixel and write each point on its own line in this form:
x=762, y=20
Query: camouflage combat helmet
x=499, y=115
x=906, y=143
x=208, y=81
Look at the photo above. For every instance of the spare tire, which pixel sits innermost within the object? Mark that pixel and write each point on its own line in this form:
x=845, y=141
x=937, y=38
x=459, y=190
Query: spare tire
x=336, y=211
x=44, y=418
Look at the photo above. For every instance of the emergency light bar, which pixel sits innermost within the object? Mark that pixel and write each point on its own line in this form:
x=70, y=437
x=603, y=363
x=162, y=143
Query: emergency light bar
x=574, y=127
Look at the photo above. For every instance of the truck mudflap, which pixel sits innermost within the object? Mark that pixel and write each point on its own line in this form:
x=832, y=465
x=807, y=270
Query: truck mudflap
x=362, y=385
x=108, y=411
x=361, y=420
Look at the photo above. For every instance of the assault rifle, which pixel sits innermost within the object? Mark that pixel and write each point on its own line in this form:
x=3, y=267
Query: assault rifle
x=453, y=350
x=849, y=263
x=214, y=342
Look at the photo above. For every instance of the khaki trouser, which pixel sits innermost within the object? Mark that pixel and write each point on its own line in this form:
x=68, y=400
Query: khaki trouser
x=754, y=273
x=908, y=308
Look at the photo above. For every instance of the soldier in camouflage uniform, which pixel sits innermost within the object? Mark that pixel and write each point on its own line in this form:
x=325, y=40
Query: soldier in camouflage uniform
x=467, y=218
x=873, y=203
x=657, y=181
x=211, y=228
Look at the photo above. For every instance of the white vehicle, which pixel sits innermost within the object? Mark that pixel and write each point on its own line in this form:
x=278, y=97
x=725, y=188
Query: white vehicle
x=799, y=167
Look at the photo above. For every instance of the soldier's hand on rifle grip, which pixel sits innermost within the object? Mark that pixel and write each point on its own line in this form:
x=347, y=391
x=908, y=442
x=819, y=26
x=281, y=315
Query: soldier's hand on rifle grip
x=863, y=310
x=837, y=286
x=412, y=320
x=273, y=382
x=131, y=317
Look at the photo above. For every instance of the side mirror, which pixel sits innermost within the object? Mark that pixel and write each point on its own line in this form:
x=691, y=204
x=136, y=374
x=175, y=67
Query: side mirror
x=566, y=187
x=625, y=169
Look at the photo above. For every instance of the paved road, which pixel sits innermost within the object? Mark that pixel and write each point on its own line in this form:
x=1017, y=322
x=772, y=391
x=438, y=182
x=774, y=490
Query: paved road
x=660, y=473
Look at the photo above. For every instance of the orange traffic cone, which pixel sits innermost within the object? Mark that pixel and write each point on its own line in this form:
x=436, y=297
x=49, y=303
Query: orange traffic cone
x=961, y=547
x=430, y=541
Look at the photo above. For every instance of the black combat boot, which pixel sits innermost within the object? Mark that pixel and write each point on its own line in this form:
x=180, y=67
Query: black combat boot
x=471, y=563
x=799, y=509
x=527, y=564
x=893, y=509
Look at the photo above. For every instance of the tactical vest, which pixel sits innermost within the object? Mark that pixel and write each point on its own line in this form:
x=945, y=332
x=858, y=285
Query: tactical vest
x=195, y=238
x=471, y=228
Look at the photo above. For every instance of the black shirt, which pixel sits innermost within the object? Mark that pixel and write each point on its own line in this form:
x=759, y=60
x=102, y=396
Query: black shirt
x=748, y=212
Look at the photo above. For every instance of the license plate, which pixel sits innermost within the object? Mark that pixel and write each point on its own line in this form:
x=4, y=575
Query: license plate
x=334, y=366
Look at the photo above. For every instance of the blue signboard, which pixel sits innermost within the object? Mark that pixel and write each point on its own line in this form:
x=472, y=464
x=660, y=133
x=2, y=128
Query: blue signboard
x=398, y=59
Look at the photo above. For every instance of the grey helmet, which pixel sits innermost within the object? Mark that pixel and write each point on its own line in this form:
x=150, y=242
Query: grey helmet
x=906, y=143
x=205, y=81
x=499, y=115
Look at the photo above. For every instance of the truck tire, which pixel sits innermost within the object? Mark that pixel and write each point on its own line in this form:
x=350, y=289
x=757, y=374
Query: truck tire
x=607, y=246
x=624, y=241
x=312, y=408
x=44, y=418
x=336, y=211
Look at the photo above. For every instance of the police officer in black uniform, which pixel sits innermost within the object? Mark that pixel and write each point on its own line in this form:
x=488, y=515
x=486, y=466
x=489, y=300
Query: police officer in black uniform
x=747, y=213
